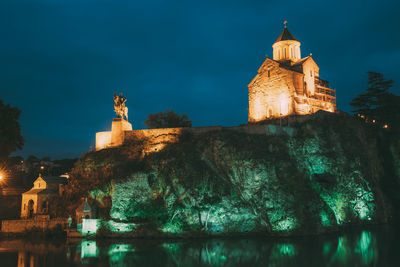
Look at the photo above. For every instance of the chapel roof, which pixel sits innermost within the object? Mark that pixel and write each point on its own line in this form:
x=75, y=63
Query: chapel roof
x=285, y=35
x=84, y=207
x=43, y=191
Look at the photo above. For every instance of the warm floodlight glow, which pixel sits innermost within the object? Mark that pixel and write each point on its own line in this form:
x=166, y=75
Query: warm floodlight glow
x=385, y=126
x=284, y=105
x=42, y=167
x=258, y=113
x=2, y=174
x=103, y=140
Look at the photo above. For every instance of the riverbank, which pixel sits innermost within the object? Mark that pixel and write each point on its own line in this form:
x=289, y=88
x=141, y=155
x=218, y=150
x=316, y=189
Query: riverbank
x=59, y=233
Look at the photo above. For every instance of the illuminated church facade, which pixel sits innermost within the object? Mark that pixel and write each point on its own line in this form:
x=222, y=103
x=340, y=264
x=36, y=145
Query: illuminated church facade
x=288, y=84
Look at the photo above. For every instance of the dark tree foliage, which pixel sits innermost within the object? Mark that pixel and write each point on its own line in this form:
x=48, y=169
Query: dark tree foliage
x=167, y=119
x=377, y=103
x=10, y=130
x=15, y=160
x=31, y=160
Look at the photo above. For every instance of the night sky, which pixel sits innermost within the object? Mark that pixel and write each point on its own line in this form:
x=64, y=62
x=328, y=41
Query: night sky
x=62, y=60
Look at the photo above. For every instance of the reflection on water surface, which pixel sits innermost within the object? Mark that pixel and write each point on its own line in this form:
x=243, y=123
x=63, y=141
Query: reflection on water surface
x=372, y=247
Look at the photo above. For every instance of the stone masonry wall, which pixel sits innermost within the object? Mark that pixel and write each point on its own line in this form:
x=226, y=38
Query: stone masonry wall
x=20, y=226
x=271, y=92
x=157, y=139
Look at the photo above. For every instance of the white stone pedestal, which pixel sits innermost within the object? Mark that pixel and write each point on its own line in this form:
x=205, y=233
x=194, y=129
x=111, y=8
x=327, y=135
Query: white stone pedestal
x=118, y=128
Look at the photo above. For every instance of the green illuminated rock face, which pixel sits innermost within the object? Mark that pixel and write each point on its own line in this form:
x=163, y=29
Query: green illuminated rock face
x=327, y=175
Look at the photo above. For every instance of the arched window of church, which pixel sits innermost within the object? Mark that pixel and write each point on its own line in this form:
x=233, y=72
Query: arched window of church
x=311, y=73
x=269, y=73
x=305, y=88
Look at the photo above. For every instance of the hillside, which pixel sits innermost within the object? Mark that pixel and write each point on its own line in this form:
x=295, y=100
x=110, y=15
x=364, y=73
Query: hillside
x=335, y=171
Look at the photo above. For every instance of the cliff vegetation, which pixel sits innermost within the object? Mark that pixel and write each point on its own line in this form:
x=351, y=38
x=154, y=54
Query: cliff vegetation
x=335, y=171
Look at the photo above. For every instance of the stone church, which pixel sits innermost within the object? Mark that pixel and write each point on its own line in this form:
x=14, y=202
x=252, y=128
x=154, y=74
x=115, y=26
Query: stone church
x=288, y=84
x=35, y=202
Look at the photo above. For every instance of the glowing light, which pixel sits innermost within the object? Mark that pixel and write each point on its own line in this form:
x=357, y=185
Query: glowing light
x=42, y=167
x=173, y=228
x=89, y=249
x=284, y=105
x=324, y=218
x=119, y=227
x=385, y=126
x=117, y=253
x=366, y=247
x=90, y=226
x=286, y=250
x=3, y=175
x=258, y=110
x=286, y=225
x=120, y=248
x=103, y=140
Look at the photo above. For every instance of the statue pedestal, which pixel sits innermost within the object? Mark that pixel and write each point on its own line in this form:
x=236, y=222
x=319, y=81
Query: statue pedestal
x=118, y=128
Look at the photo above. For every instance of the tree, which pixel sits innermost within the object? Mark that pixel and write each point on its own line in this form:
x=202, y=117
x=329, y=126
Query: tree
x=167, y=119
x=32, y=160
x=12, y=161
x=10, y=131
x=377, y=103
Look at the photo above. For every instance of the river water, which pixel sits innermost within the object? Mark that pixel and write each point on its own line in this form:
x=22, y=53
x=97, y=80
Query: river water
x=376, y=246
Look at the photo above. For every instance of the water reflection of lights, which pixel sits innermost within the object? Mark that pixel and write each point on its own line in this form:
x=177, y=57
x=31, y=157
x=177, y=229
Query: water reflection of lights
x=89, y=249
x=352, y=248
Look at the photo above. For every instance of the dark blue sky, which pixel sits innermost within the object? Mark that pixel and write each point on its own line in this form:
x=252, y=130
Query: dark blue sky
x=61, y=60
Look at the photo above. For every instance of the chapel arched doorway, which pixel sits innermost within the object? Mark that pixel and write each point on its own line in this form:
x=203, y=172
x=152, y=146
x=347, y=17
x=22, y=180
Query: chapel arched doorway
x=30, y=208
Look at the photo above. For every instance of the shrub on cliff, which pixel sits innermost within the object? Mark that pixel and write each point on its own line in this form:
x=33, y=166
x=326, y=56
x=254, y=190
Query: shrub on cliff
x=167, y=119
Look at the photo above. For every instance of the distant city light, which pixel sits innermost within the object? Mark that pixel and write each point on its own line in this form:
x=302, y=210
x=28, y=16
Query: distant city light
x=42, y=167
x=385, y=126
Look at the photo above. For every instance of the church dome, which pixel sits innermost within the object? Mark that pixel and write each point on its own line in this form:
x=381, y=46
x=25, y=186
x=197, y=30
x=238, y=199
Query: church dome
x=285, y=35
x=286, y=47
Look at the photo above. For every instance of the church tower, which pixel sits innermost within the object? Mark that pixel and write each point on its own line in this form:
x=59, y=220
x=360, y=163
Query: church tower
x=286, y=47
x=288, y=84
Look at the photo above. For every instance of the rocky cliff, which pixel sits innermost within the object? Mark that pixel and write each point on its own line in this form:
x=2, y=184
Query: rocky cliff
x=335, y=171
